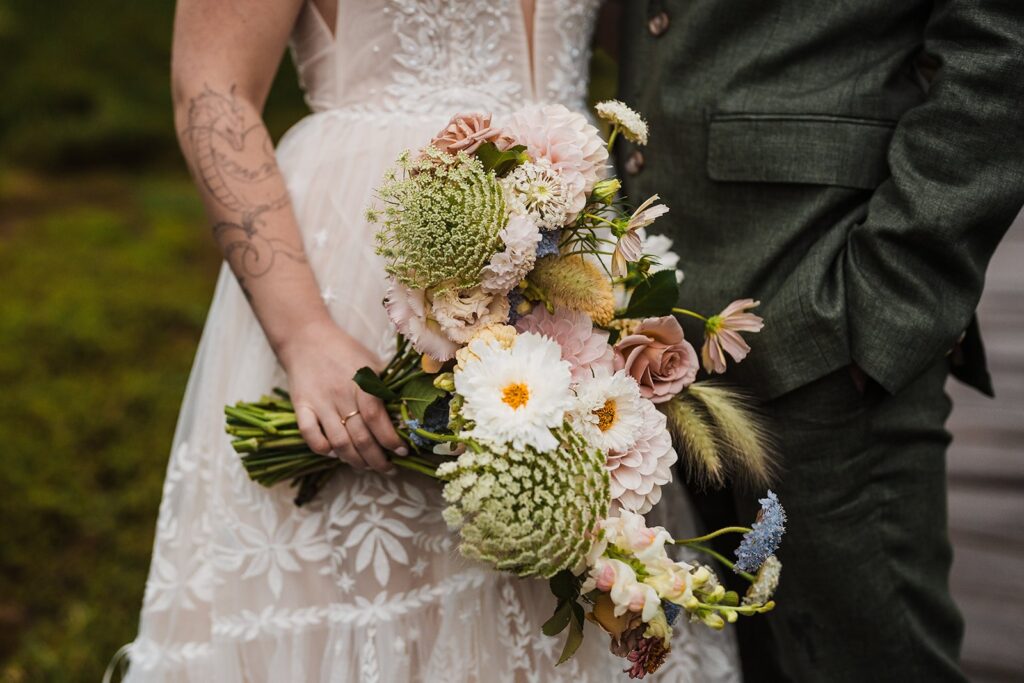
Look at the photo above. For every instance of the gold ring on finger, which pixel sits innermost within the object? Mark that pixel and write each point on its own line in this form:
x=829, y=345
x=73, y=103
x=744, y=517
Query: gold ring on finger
x=348, y=417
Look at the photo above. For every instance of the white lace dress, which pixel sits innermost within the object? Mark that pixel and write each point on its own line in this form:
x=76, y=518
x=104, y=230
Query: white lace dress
x=365, y=584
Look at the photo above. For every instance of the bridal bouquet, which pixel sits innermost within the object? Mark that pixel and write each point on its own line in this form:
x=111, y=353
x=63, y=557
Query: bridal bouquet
x=541, y=374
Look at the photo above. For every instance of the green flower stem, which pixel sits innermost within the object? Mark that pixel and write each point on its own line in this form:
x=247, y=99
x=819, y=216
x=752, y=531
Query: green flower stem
x=248, y=417
x=398, y=384
x=723, y=559
x=600, y=219
x=746, y=610
x=683, y=311
x=713, y=534
x=433, y=436
x=611, y=138
x=414, y=464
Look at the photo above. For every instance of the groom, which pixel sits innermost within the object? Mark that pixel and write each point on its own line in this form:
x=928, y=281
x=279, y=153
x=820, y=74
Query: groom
x=853, y=166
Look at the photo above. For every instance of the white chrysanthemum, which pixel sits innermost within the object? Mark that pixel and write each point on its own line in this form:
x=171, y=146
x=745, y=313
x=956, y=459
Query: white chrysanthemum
x=509, y=266
x=608, y=410
x=536, y=190
x=517, y=395
x=462, y=313
x=565, y=139
x=632, y=125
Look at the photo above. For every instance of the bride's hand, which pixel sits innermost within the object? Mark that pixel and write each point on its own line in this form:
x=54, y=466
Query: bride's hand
x=321, y=360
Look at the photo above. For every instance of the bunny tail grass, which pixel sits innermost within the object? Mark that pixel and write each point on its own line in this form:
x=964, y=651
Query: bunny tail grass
x=695, y=440
x=743, y=441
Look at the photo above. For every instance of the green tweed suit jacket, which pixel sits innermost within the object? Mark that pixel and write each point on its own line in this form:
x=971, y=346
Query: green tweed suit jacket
x=852, y=164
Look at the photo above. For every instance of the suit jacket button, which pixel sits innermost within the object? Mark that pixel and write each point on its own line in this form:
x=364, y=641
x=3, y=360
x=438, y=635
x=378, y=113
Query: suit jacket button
x=658, y=24
x=635, y=162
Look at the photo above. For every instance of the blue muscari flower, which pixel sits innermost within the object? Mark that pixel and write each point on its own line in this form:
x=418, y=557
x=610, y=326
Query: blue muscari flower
x=549, y=243
x=672, y=611
x=764, y=537
x=515, y=297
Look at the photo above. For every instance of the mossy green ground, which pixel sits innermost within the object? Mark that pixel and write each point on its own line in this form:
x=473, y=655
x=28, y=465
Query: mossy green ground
x=106, y=272
x=106, y=280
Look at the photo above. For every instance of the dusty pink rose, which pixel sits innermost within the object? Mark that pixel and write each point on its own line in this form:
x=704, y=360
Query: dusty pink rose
x=466, y=132
x=722, y=334
x=657, y=356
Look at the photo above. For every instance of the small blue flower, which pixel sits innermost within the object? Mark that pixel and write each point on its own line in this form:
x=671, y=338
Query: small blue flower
x=672, y=611
x=764, y=537
x=515, y=297
x=418, y=441
x=549, y=243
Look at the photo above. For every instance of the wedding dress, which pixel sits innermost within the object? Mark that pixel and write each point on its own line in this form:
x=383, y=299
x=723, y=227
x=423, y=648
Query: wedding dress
x=365, y=584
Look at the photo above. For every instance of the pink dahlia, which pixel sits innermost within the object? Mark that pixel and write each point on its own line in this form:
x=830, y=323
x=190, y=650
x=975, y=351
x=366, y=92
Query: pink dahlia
x=638, y=474
x=410, y=311
x=567, y=140
x=583, y=346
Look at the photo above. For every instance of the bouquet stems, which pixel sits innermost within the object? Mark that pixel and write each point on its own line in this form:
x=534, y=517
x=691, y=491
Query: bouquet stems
x=266, y=436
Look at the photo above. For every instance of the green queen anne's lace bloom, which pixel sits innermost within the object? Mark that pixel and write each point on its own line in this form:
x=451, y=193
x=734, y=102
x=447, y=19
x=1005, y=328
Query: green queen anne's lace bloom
x=440, y=220
x=542, y=523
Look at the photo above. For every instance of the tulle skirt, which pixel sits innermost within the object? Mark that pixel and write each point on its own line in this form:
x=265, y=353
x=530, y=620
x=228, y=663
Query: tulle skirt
x=365, y=584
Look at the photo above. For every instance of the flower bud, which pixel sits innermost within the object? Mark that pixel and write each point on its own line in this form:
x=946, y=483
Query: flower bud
x=606, y=190
x=445, y=382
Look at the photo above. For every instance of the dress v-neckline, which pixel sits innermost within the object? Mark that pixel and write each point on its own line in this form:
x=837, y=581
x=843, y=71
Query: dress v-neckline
x=528, y=21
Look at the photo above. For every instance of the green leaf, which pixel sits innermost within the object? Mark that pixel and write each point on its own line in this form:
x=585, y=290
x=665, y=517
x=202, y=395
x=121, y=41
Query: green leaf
x=559, y=620
x=655, y=296
x=371, y=383
x=565, y=585
x=419, y=394
x=575, y=637
x=500, y=162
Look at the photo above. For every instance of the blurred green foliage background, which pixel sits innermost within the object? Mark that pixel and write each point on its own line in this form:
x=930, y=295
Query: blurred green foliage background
x=108, y=269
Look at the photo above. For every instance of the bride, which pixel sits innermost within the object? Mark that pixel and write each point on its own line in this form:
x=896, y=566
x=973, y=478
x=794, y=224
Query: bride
x=364, y=584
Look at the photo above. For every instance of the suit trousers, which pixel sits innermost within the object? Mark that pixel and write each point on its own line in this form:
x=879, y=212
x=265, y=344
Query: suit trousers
x=864, y=594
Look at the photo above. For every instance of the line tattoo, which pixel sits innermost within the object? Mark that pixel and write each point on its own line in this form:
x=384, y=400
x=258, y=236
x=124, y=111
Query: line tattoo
x=235, y=164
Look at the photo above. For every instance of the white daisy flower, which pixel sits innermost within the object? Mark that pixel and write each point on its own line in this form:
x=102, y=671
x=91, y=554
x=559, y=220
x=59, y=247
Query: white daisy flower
x=608, y=412
x=632, y=125
x=516, y=395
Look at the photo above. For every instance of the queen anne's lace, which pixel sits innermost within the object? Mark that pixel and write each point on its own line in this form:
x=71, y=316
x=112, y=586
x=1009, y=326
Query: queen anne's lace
x=243, y=586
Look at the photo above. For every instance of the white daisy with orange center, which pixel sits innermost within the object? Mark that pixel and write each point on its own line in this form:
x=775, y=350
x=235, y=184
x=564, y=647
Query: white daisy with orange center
x=608, y=412
x=515, y=395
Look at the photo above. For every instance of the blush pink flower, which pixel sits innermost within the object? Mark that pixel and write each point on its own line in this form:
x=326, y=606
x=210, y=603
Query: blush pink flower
x=657, y=356
x=466, y=132
x=638, y=474
x=629, y=248
x=583, y=346
x=566, y=140
x=722, y=334
x=410, y=311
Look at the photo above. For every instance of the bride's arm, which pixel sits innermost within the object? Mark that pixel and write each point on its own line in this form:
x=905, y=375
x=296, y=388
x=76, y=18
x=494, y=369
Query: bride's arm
x=225, y=54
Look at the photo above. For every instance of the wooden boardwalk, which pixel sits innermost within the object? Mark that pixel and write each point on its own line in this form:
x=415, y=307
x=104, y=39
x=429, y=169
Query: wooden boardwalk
x=986, y=481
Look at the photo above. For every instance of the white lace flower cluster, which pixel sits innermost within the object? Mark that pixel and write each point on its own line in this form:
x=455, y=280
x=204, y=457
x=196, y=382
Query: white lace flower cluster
x=526, y=511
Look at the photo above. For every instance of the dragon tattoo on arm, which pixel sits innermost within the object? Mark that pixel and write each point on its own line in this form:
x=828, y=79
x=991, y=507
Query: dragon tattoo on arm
x=234, y=163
